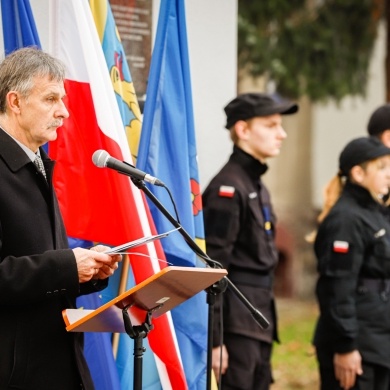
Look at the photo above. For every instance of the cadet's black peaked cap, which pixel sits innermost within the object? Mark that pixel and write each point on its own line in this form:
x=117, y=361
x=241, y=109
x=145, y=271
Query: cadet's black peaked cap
x=379, y=120
x=359, y=151
x=250, y=105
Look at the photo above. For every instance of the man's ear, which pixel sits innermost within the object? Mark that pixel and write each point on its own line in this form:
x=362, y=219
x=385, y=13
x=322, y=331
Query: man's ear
x=385, y=138
x=242, y=129
x=13, y=101
x=357, y=173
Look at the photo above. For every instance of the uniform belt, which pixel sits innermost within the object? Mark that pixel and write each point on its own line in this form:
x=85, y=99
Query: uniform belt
x=374, y=285
x=253, y=279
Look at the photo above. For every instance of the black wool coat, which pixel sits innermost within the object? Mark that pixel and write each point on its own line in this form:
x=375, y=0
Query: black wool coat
x=38, y=279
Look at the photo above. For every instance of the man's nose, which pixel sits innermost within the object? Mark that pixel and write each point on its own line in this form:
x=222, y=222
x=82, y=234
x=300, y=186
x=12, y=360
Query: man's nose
x=282, y=133
x=62, y=111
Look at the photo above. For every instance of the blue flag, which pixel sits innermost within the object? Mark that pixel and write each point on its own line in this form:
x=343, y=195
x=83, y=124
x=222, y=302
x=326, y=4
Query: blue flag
x=167, y=150
x=19, y=28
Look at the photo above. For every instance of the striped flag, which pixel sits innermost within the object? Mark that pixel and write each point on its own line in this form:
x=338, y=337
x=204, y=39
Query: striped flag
x=100, y=205
x=167, y=150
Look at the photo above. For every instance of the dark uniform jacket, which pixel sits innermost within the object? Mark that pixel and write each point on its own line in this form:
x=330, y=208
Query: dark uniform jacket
x=353, y=251
x=239, y=229
x=38, y=279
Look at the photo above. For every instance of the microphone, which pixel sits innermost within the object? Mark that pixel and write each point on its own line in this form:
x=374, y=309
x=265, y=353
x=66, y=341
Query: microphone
x=102, y=159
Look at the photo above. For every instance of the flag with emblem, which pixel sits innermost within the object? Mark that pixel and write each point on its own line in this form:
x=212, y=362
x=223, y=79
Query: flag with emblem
x=162, y=340
x=167, y=150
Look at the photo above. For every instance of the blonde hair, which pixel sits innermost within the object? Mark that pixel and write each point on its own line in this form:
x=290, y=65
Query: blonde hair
x=332, y=192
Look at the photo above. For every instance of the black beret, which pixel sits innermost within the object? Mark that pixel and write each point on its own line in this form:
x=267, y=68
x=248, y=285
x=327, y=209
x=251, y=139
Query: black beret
x=359, y=151
x=379, y=120
x=250, y=105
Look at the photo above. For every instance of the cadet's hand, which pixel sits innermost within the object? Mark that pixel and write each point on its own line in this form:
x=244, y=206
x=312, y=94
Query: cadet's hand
x=216, y=360
x=106, y=270
x=89, y=263
x=346, y=367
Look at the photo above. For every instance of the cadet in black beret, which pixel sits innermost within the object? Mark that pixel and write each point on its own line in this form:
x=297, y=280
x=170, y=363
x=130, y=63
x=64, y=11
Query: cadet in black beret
x=240, y=233
x=352, y=247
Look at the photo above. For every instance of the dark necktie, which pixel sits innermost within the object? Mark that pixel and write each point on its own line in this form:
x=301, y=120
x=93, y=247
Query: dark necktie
x=38, y=162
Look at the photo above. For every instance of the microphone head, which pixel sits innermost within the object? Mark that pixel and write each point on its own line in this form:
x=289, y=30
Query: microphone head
x=100, y=158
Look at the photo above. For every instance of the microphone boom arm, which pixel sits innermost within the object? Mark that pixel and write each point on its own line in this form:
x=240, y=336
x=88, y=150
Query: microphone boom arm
x=256, y=314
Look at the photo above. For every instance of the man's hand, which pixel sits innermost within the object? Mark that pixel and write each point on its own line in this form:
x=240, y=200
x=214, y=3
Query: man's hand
x=92, y=264
x=107, y=270
x=216, y=360
x=346, y=367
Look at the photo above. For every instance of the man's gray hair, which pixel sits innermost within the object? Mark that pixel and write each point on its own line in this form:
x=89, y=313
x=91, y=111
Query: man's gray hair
x=18, y=70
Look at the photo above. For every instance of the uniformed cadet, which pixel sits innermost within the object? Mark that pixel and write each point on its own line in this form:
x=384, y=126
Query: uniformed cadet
x=240, y=233
x=352, y=246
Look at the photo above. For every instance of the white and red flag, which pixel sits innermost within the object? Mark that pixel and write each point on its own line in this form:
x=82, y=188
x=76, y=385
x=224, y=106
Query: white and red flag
x=100, y=204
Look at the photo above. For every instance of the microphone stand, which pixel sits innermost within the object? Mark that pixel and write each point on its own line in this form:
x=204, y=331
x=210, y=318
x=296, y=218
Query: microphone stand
x=213, y=290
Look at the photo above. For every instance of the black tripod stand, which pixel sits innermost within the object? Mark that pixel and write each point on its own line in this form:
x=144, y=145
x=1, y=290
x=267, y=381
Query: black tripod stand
x=137, y=333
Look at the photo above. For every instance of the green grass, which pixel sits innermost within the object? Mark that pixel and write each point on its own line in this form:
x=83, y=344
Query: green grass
x=294, y=363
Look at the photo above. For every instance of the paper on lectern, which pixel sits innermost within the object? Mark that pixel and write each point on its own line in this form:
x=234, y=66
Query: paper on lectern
x=138, y=242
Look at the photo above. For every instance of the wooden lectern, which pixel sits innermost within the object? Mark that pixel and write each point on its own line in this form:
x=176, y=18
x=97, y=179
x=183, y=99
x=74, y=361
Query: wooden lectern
x=132, y=311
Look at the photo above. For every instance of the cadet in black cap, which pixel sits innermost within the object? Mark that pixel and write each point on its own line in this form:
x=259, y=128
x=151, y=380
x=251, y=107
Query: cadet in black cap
x=240, y=228
x=250, y=105
x=352, y=247
x=359, y=151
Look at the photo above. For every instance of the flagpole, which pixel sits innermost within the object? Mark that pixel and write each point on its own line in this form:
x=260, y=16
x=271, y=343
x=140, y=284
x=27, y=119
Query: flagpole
x=121, y=289
x=216, y=288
